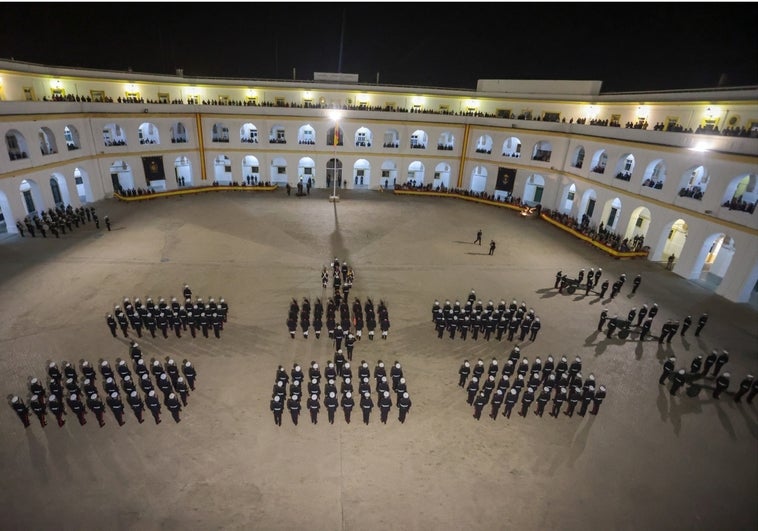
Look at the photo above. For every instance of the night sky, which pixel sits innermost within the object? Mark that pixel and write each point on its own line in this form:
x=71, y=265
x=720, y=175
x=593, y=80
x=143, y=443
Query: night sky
x=628, y=46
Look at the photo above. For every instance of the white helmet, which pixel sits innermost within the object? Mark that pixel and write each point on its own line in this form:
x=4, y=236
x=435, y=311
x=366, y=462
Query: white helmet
x=93, y=396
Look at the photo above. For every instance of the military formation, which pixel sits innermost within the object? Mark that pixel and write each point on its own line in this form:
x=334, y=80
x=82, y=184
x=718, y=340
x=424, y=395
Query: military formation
x=345, y=320
x=544, y=383
x=512, y=322
x=57, y=221
x=355, y=391
x=96, y=388
x=641, y=321
x=169, y=317
x=700, y=369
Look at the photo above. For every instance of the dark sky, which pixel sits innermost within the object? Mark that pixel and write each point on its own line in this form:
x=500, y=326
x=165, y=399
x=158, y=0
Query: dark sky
x=628, y=46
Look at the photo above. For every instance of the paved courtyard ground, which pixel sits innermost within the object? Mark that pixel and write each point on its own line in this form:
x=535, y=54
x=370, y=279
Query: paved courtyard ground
x=646, y=461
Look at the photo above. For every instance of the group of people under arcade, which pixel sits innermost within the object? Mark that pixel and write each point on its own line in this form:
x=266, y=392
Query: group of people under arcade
x=513, y=321
x=541, y=382
x=340, y=327
x=700, y=368
x=57, y=221
x=77, y=390
x=310, y=385
x=165, y=316
x=600, y=234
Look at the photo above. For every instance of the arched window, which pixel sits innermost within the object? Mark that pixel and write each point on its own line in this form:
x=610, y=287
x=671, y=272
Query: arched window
x=512, y=147
x=16, y=144
x=47, y=145
x=72, y=137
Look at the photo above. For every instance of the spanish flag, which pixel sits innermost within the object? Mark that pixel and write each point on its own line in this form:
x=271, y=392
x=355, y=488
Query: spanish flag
x=336, y=136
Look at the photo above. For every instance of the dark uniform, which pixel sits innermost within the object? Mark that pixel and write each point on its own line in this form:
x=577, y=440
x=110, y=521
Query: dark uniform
x=366, y=406
x=542, y=401
x=696, y=365
x=668, y=368
x=56, y=408
x=154, y=405
x=710, y=359
x=573, y=398
x=385, y=405
x=37, y=405
x=189, y=373
x=111, y=324
x=293, y=405
x=96, y=406
x=403, y=407
x=510, y=400
x=276, y=407
x=686, y=324
x=473, y=389
x=479, y=402
x=558, y=400
x=117, y=407
x=331, y=404
x=347, y=404
x=745, y=386
x=135, y=402
x=721, y=360
x=526, y=401
x=700, y=324
x=722, y=384
x=77, y=407
x=678, y=380
x=313, y=406
x=173, y=405
x=636, y=283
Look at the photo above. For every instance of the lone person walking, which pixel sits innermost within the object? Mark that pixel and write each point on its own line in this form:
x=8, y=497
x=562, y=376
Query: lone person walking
x=478, y=237
x=492, y=247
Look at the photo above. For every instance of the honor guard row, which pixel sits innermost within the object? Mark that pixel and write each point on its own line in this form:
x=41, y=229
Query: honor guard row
x=561, y=382
x=169, y=316
x=343, y=396
x=83, y=394
x=516, y=322
x=339, y=326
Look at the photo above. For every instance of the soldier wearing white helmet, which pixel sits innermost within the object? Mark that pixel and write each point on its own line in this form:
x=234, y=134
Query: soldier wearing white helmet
x=313, y=406
x=366, y=406
x=293, y=405
x=403, y=406
x=116, y=406
x=331, y=404
x=77, y=407
x=598, y=399
x=560, y=397
x=173, y=405
x=56, y=408
x=385, y=404
x=472, y=389
x=510, y=401
x=722, y=384
x=339, y=361
x=347, y=403
x=154, y=405
x=96, y=406
x=526, y=401
x=463, y=373
x=190, y=373
x=396, y=372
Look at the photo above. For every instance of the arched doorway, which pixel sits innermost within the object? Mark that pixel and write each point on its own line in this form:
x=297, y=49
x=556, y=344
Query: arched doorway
x=222, y=169
x=32, y=197
x=587, y=206
x=251, y=171
x=83, y=186
x=361, y=173
x=567, y=200
x=672, y=240
x=741, y=193
x=121, y=176
x=183, y=171
x=415, y=173
x=306, y=170
x=7, y=223
x=636, y=229
x=59, y=188
x=713, y=260
x=611, y=214
x=333, y=172
x=533, y=189
x=148, y=134
x=279, y=171
x=441, y=176
x=389, y=174
x=478, y=179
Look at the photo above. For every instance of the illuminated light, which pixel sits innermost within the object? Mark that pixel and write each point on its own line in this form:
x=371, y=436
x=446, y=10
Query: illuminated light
x=710, y=112
x=417, y=100
x=57, y=83
x=362, y=98
x=306, y=94
x=701, y=147
x=334, y=115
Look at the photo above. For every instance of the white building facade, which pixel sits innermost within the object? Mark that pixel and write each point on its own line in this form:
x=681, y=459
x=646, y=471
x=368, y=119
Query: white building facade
x=677, y=167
